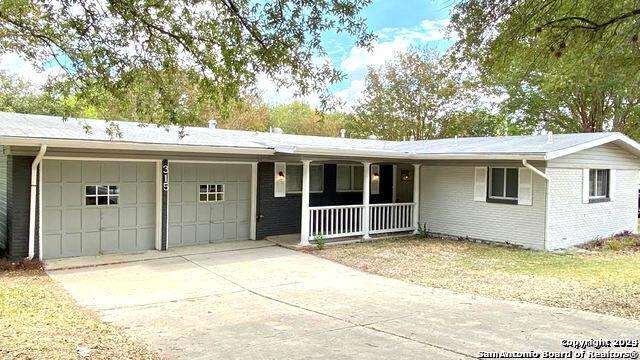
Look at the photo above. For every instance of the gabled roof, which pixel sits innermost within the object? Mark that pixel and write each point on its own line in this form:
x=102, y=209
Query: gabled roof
x=33, y=130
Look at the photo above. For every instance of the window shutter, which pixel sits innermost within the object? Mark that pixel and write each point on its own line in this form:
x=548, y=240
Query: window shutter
x=480, y=184
x=525, y=186
x=279, y=184
x=585, y=186
x=612, y=185
x=375, y=184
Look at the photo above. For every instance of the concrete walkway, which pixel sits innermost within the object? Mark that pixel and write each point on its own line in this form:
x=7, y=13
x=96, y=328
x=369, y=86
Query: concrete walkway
x=275, y=303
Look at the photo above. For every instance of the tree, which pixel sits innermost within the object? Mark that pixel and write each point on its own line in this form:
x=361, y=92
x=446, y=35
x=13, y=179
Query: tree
x=417, y=94
x=247, y=114
x=220, y=45
x=565, y=66
x=300, y=118
x=17, y=95
x=406, y=97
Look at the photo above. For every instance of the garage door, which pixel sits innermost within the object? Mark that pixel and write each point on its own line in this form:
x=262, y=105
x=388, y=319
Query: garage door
x=93, y=208
x=208, y=203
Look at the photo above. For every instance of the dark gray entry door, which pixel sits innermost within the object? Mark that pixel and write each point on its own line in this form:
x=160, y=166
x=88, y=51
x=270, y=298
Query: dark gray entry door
x=92, y=207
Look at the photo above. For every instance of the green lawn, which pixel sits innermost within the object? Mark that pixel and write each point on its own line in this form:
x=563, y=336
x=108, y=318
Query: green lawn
x=39, y=320
x=603, y=281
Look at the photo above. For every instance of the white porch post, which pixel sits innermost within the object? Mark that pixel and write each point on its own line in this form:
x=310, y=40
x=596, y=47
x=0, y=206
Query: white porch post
x=254, y=200
x=366, y=186
x=416, y=197
x=304, y=226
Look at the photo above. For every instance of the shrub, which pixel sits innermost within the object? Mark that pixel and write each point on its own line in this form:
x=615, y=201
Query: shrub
x=423, y=232
x=614, y=245
x=320, y=241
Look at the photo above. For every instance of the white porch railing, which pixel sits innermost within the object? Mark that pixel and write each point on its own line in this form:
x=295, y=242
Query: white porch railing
x=347, y=220
x=335, y=221
x=390, y=217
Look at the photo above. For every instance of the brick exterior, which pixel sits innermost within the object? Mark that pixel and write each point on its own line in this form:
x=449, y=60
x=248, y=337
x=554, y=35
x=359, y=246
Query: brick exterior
x=278, y=216
x=18, y=195
x=447, y=207
x=3, y=200
x=571, y=222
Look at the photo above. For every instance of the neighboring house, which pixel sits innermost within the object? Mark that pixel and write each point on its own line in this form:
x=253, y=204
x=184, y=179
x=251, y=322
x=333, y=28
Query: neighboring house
x=153, y=189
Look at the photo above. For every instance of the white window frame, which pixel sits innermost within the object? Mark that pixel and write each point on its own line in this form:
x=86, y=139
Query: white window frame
x=595, y=182
x=352, y=168
x=310, y=191
x=504, y=188
x=108, y=195
x=215, y=192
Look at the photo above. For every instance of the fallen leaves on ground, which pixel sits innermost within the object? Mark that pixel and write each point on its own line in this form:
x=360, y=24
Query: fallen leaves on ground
x=39, y=320
x=605, y=282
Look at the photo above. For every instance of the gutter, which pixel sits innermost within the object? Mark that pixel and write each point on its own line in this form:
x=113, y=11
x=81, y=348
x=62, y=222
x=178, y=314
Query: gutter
x=548, y=199
x=133, y=146
x=32, y=200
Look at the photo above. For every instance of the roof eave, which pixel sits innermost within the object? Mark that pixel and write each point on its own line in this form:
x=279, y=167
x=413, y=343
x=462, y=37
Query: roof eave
x=349, y=153
x=483, y=156
x=120, y=145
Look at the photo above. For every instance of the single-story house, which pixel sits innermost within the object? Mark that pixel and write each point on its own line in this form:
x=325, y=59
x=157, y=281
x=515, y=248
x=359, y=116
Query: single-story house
x=76, y=187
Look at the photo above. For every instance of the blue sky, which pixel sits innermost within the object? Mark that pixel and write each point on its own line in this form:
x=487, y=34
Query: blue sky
x=398, y=24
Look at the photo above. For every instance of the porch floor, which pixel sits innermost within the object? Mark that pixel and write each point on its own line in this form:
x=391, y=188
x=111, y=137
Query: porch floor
x=108, y=259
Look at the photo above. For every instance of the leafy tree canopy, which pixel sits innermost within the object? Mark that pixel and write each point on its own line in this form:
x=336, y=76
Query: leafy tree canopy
x=416, y=94
x=566, y=66
x=300, y=118
x=217, y=46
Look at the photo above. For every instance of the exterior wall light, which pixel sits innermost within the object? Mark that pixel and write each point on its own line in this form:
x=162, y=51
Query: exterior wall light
x=375, y=177
x=281, y=176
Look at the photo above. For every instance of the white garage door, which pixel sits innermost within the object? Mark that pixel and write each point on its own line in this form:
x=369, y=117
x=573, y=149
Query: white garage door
x=208, y=203
x=92, y=208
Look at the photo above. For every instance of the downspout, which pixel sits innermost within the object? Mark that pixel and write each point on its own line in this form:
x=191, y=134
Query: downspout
x=548, y=197
x=32, y=202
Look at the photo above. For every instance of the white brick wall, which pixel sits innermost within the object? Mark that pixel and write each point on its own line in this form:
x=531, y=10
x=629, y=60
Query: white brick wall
x=571, y=222
x=447, y=207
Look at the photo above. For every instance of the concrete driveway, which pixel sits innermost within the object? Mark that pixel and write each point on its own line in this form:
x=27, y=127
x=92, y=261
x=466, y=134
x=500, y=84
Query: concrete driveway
x=272, y=303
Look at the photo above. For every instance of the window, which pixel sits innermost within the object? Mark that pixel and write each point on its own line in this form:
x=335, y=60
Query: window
x=349, y=178
x=101, y=195
x=211, y=192
x=294, y=178
x=503, y=184
x=598, y=184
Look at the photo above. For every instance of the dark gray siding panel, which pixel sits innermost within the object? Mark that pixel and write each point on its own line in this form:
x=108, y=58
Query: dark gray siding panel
x=279, y=216
x=3, y=200
x=18, y=195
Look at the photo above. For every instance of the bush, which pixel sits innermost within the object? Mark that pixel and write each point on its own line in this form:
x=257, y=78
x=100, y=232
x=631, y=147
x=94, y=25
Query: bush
x=320, y=241
x=614, y=245
x=423, y=232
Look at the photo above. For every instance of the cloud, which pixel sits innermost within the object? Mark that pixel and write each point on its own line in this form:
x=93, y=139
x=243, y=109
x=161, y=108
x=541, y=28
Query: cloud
x=357, y=61
x=389, y=42
x=14, y=64
x=354, y=64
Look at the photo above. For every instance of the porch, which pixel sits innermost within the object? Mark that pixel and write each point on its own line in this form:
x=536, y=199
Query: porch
x=341, y=201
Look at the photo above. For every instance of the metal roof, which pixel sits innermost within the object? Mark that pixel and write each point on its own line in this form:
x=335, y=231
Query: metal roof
x=52, y=130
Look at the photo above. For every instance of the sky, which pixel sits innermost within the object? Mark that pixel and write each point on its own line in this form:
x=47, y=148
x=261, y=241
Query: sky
x=398, y=24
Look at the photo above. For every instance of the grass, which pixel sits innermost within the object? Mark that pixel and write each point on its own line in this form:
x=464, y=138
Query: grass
x=606, y=280
x=41, y=321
